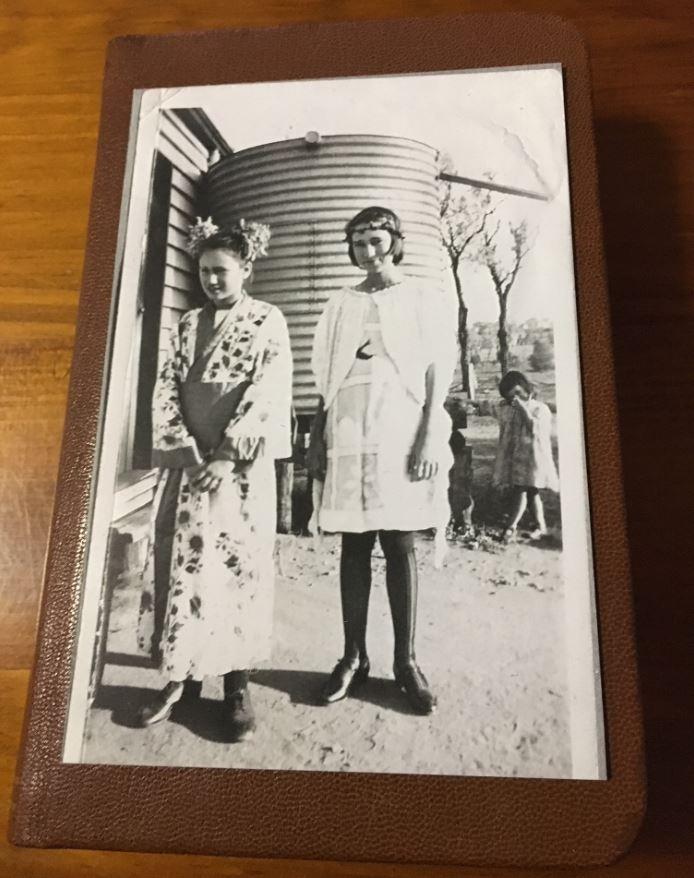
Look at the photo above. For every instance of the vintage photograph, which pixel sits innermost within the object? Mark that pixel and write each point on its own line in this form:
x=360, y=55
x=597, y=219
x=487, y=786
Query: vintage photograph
x=340, y=513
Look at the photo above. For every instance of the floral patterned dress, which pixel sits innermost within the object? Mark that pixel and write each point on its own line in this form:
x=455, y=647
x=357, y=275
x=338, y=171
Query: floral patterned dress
x=224, y=393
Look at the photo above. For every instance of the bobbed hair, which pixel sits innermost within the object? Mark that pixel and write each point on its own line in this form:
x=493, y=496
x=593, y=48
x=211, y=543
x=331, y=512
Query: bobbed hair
x=381, y=218
x=511, y=379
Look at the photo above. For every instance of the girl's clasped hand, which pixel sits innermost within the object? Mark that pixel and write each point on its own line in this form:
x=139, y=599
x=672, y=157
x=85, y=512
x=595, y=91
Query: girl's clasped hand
x=207, y=477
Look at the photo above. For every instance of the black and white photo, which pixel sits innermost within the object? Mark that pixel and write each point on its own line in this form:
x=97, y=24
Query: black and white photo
x=340, y=515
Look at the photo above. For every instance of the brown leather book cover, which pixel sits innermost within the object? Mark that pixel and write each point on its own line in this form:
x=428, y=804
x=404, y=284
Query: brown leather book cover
x=534, y=755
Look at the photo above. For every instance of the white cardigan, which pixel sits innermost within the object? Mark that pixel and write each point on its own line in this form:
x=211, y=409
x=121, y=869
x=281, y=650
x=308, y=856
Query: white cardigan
x=417, y=325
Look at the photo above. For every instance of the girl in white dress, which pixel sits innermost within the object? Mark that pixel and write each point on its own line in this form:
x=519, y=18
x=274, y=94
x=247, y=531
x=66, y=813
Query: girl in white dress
x=524, y=461
x=383, y=358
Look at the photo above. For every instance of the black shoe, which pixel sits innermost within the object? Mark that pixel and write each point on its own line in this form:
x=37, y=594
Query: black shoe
x=192, y=690
x=160, y=707
x=240, y=715
x=344, y=679
x=415, y=685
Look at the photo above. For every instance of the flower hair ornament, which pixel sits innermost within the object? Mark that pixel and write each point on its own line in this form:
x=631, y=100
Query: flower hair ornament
x=246, y=237
x=376, y=218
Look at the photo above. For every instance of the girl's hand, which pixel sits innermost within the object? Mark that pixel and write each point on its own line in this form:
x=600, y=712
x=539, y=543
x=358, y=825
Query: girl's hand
x=209, y=477
x=192, y=471
x=522, y=406
x=422, y=463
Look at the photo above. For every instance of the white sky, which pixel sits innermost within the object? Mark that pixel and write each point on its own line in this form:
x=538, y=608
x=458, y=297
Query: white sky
x=509, y=122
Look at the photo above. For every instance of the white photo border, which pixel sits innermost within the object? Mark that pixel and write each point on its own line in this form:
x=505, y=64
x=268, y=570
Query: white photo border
x=580, y=629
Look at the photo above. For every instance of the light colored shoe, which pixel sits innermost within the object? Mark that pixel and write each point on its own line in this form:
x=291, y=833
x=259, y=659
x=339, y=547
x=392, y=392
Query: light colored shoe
x=240, y=715
x=160, y=707
x=538, y=534
x=509, y=535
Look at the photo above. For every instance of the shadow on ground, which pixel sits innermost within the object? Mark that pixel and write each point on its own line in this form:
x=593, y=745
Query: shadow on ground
x=207, y=717
x=304, y=687
x=204, y=717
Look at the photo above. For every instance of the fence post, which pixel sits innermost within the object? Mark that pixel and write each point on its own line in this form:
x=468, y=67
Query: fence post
x=285, y=484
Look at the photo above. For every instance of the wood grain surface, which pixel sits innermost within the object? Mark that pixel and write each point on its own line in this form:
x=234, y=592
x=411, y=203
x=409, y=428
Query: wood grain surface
x=643, y=69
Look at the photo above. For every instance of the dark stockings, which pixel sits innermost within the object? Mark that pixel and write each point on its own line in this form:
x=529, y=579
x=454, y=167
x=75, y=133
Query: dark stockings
x=355, y=588
x=401, y=583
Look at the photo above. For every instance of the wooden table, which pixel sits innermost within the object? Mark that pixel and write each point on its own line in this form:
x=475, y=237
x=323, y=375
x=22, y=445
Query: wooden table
x=643, y=63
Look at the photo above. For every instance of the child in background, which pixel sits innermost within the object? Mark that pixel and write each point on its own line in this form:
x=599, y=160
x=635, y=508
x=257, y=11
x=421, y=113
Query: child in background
x=524, y=459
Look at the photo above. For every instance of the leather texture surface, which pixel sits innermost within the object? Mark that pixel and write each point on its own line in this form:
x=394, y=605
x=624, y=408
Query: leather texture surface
x=329, y=815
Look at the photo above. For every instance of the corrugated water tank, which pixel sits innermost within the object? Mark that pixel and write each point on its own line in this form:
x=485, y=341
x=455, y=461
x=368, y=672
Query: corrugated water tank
x=306, y=190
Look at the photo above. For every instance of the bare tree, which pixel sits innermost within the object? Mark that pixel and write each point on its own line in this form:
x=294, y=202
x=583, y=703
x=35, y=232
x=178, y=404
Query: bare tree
x=503, y=264
x=464, y=216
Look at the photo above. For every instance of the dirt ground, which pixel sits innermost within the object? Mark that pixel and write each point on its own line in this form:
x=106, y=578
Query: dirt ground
x=490, y=639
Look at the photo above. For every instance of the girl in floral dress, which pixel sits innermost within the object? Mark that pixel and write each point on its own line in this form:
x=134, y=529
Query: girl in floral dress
x=221, y=416
x=383, y=358
x=524, y=461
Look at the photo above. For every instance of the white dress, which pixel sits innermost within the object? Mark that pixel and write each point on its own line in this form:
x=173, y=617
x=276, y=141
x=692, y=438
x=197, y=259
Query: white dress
x=524, y=454
x=373, y=411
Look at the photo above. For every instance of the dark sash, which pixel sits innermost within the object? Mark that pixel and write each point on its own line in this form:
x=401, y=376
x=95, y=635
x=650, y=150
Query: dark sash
x=208, y=406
